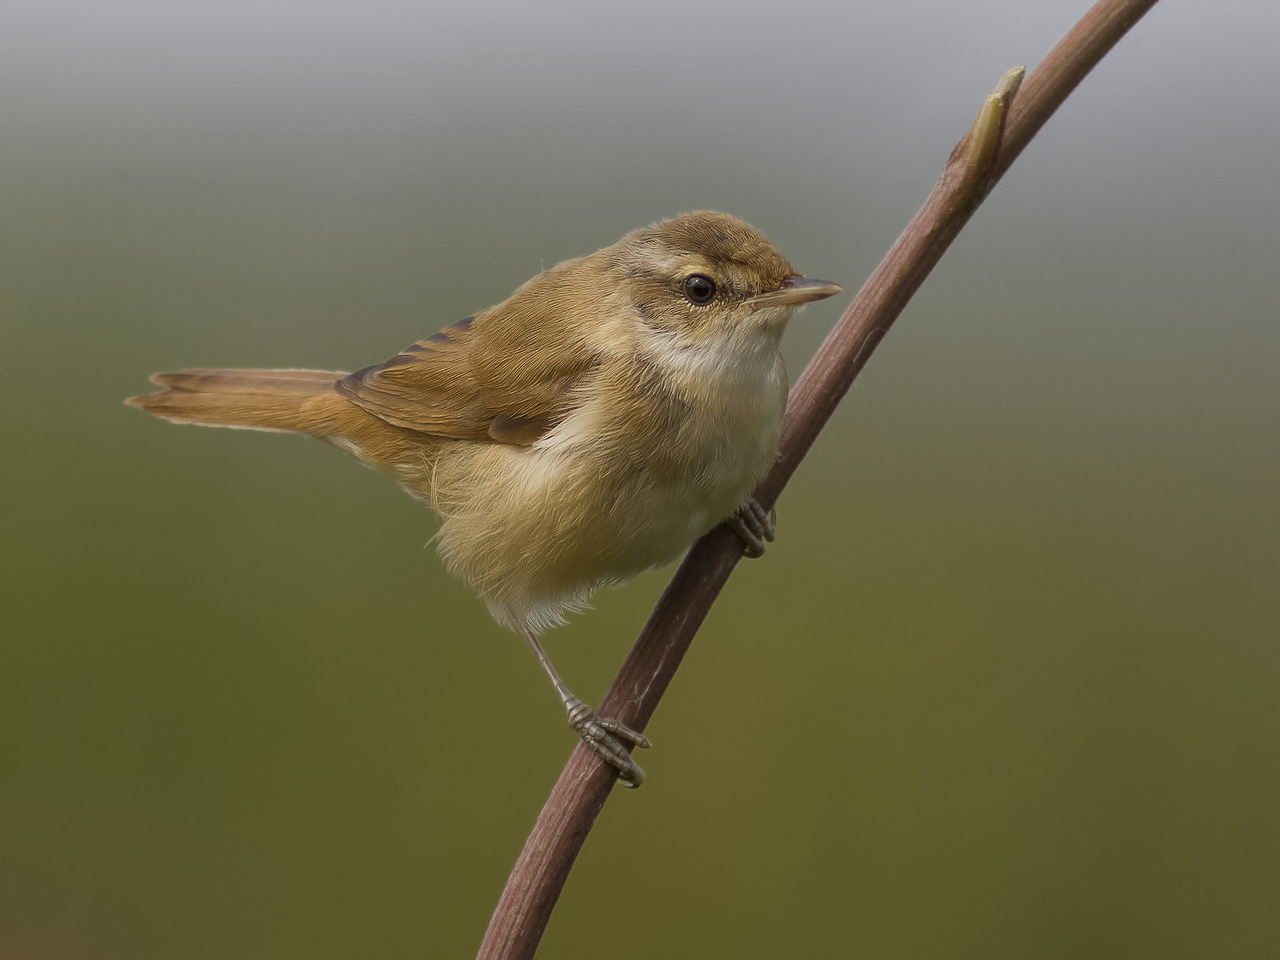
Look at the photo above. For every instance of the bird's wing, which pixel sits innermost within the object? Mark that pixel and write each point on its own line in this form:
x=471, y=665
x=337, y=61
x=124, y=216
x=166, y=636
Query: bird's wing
x=480, y=379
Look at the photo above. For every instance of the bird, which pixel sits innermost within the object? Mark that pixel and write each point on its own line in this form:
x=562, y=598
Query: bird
x=611, y=411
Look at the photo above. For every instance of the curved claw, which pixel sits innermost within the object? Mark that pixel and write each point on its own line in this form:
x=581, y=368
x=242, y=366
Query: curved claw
x=604, y=737
x=755, y=526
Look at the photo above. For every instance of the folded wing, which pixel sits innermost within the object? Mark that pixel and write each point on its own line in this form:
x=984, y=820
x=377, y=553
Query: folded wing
x=480, y=379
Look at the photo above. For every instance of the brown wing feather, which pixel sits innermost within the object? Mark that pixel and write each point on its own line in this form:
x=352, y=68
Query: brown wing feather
x=476, y=380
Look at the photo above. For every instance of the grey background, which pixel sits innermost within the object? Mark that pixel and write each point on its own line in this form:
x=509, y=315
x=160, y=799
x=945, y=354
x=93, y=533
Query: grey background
x=1006, y=685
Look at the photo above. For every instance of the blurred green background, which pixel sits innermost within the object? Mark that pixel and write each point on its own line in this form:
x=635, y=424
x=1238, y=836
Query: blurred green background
x=1006, y=686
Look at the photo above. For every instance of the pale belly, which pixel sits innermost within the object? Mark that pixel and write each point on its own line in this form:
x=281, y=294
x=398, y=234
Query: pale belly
x=552, y=523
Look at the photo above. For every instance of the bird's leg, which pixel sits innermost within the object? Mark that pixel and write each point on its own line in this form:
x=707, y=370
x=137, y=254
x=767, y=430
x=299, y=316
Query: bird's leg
x=755, y=526
x=602, y=735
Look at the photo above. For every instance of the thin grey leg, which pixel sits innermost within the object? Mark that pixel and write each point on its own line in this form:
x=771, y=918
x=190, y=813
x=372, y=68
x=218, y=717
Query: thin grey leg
x=602, y=735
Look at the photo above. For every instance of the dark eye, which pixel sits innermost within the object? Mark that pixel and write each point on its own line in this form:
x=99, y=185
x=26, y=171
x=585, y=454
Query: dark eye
x=699, y=288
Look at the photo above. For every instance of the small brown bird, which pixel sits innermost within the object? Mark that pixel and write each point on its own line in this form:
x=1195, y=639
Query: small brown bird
x=587, y=429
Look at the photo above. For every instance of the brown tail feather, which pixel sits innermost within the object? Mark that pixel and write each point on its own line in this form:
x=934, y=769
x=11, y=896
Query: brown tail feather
x=256, y=399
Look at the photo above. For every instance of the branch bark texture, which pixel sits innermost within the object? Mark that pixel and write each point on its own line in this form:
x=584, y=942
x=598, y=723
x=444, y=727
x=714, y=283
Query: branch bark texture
x=1002, y=130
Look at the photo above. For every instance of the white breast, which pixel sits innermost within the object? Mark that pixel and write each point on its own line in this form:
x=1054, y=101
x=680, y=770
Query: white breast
x=579, y=509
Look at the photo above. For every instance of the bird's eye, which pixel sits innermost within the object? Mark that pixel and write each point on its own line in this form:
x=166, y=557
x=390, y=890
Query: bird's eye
x=699, y=288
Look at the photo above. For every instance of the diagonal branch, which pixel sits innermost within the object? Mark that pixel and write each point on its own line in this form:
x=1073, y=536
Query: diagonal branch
x=1004, y=127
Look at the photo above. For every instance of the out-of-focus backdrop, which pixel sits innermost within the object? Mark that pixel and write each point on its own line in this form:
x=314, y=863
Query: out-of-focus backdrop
x=1007, y=684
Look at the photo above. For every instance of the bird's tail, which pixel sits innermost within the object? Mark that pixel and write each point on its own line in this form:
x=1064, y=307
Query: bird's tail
x=254, y=399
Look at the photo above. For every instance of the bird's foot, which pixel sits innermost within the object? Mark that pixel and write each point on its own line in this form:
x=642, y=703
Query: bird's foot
x=604, y=737
x=755, y=526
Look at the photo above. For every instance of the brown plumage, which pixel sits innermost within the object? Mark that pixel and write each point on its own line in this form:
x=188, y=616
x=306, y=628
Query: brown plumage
x=612, y=410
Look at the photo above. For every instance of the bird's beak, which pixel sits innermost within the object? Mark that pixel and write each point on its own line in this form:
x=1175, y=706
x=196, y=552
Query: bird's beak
x=795, y=291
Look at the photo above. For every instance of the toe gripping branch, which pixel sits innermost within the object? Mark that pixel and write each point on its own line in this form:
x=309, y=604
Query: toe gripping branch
x=604, y=737
x=755, y=526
